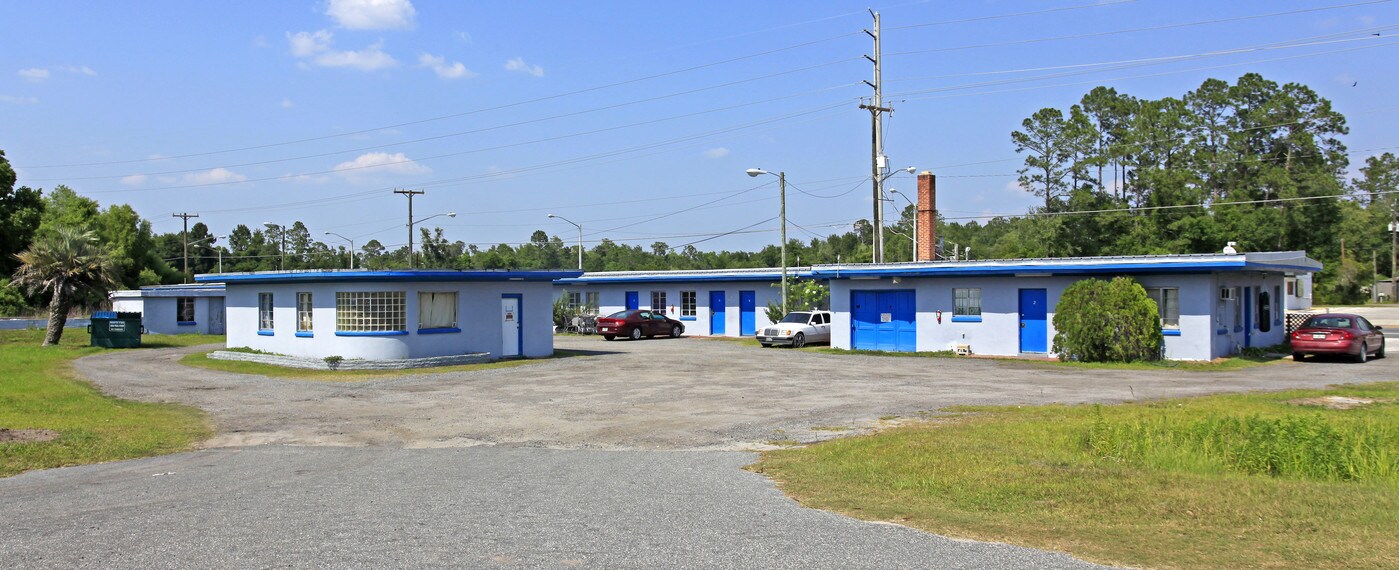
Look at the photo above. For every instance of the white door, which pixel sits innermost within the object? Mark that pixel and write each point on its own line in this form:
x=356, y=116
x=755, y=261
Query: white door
x=216, y=315
x=510, y=326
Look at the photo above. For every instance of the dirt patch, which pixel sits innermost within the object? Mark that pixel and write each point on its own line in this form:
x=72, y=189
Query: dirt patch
x=26, y=435
x=1337, y=402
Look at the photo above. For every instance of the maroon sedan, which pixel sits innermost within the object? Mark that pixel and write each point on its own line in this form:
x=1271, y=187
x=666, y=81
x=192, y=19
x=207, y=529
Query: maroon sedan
x=1334, y=333
x=635, y=324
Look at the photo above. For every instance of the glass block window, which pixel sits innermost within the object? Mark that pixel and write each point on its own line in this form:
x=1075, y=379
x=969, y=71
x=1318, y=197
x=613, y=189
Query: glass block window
x=658, y=301
x=687, y=303
x=437, y=310
x=264, y=311
x=371, y=311
x=966, y=302
x=303, y=312
x=1167, y=305
x=184, y=309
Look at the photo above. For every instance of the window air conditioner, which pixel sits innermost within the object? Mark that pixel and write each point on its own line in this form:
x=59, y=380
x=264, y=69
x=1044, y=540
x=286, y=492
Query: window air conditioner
x=1226, y=293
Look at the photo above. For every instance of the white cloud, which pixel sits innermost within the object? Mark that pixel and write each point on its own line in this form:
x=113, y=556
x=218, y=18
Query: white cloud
x=463, y=36
x=287, y=104
x=518, y=64
x=315, y=47
x=380, y=163
x=35, y=74
x=18, y=100
x=372, y=14
x=215, y=176
x=133, y=180
x=79, y=69
x=439, y=65
x=719, y=152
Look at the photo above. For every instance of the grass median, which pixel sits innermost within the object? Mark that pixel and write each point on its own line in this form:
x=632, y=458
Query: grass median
x=53, y=418
x=1276, y=480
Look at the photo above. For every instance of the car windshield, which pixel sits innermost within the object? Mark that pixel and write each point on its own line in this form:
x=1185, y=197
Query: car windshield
x=620, y=315
x=1329, y=323
x=796, y=318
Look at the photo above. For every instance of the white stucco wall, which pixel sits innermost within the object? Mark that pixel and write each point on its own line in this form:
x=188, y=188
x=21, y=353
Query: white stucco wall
x=158, y=313
x=1301, y=297
x=478, y=317
x=998, y=333
x=612, y=298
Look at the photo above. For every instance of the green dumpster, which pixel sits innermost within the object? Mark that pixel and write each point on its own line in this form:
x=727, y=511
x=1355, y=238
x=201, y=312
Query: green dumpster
x=116, y=330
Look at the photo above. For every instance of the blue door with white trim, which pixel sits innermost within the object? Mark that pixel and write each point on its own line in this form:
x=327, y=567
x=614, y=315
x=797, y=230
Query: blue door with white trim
x=1034, y=326
x=717, y=316
x=883, y=320
x=633, y=301
x=747, y=313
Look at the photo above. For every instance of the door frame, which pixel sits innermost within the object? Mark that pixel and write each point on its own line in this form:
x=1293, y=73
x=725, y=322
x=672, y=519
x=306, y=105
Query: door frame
x=1020, y=313
x=754, y=295
x=519, y=324
x=721, y=316
x=631, y=300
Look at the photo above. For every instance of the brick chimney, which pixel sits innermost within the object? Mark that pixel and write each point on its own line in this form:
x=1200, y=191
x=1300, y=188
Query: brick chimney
x=927, y=216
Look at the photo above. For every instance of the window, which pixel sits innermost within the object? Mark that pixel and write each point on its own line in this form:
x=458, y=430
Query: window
x=1238, y=312
x=438, y=310
x=592, y=303
x=303, y=312
x=966, y=302
x=1167, y=305
x=658, y=301
x=370, y=311
x=264, y=311
x=184, y=309
x=574, y=301
x=687, y=303
x=1292, y=288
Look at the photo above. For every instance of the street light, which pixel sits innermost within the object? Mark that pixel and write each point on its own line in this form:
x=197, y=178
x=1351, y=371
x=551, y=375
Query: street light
x=878, y=245
x=412, y=222
x=915, y=221
x=580, y=238
x=220, y=251
x=271, y=226
x=352, y=247
x=782, y=196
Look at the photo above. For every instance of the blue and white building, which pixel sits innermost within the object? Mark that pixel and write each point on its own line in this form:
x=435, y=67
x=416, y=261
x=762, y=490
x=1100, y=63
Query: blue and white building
x=1211, y=305
x=396, y=314
x=719, y=302
x=175, y=309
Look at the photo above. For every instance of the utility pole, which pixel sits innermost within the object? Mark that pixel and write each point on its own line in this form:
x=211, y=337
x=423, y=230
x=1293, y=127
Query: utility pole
x=185, y=236
x=410, y=194
x=1394, y=259
x=877, y=159
x=782, y=196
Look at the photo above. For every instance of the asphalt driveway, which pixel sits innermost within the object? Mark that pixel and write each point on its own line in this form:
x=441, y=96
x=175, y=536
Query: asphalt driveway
x=675, y=394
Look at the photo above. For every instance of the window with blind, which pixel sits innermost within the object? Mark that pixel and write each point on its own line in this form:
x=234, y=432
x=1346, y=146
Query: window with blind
x=371, y=311
x=303, y=312
x=264, y=311
x=1167, y=305
x=437, y=310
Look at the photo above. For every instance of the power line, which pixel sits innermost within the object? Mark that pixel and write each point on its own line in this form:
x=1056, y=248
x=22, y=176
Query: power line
x=1015, y=14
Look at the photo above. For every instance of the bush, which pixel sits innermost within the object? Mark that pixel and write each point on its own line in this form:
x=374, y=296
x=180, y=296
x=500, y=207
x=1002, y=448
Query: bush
x=561, y=312
x=1107, y=321
x=12, y=303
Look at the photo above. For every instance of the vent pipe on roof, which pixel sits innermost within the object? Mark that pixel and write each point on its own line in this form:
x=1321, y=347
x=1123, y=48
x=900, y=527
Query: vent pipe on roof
x=1229, y=248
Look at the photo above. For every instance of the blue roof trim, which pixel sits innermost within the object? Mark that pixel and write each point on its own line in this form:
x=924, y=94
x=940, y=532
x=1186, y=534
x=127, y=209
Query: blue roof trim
x=684, y=278
x=1054, y=269
x=394, y=275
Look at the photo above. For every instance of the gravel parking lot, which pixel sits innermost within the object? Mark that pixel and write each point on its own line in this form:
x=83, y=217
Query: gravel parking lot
x=675, y=394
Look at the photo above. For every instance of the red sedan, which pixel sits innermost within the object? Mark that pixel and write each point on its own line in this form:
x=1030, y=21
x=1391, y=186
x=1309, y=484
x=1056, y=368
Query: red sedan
x=635, y=324
x=1333, y=333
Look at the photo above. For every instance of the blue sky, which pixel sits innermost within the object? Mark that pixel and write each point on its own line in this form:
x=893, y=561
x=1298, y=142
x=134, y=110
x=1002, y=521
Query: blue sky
x=636, y=119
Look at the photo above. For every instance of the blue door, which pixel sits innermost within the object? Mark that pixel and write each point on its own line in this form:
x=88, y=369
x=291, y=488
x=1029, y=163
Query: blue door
x=633, y=301
x=716, y=313
x=883, y=320
x=1034, y=331
x=747, y=305
x=1248, y=316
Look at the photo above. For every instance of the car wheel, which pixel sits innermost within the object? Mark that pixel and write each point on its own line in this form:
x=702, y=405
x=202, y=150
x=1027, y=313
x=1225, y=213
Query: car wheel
x=799, y=340
x=766, y=344
x=1380, y=353
x=1297, y=356
x=1364, y=353
x=676, y=331
x=608, y=337
x=636, y=333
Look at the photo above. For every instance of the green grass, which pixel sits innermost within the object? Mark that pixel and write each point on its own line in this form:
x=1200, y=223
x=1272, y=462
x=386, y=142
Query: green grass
x=40, y=390
x=202, y=360
x=1249, y=480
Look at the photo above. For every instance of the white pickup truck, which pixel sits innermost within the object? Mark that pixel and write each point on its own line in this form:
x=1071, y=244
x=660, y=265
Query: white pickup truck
x=797, y=329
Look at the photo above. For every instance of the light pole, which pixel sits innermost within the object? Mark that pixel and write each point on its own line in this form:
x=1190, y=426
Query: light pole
x=915, y=221
x=580, y=238
x=220, y=250
x=782, y=197
x=412, y=222
x=352, y=247
x=283, y=230
x=878, y=244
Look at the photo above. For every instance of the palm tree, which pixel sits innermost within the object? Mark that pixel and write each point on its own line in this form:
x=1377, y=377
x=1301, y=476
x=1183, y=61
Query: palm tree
x=70, y=264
